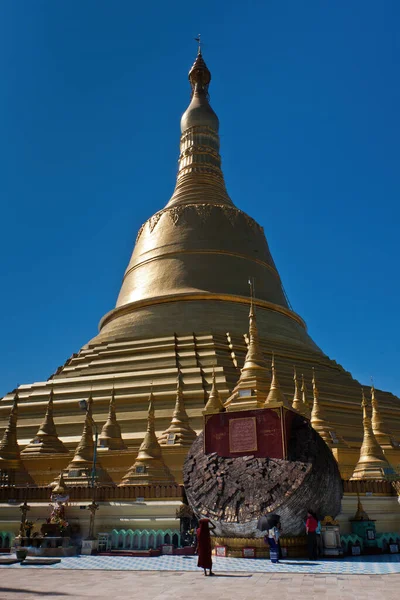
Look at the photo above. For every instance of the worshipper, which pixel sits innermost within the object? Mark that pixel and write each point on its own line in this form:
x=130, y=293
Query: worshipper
x=311, y=528
x=273, y=538
x=204, y=545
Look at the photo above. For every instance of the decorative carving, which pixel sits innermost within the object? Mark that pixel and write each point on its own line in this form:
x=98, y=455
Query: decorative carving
x=154, y=220
x=203, y=211
x=231, y=214
x=176, y=213
x=140, y=232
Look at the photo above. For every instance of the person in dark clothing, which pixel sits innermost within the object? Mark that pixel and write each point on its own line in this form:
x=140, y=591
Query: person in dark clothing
x=311, y=529
x=204, y=545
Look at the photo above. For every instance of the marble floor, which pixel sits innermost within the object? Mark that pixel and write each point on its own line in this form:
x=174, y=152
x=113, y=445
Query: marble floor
x=361, y=565
x=180, y=585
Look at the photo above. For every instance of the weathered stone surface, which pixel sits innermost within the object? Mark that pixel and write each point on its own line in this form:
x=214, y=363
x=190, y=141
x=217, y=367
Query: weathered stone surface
x=234, y=492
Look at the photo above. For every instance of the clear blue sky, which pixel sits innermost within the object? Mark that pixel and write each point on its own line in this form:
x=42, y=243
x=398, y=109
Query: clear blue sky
x=308, y=97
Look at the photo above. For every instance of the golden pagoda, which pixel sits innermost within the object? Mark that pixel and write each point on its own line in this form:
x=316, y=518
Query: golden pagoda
x=46, y=440
x=59, y=487
x=110, y=436
x=12, y=470
x=275, y=395
x=297, y=400
x=372, y=463
x=304, y=400
x=80, y=469
x=149, y=467
x=179, y=433
x=318, y=421
x=184, y=306
x=252, y=387
x=214, y=403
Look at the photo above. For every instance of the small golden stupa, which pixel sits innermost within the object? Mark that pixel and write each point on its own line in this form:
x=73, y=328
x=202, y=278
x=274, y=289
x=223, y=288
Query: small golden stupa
x=149, y=467
x=275, y=395
x=214, y=403
x=80, y=469
x=253, y=385
x=305, y=404
x=297, y=401
x=110, y=436
x=12, y=470
x=179, y=433
x=318, y=420
x=46, y=441
x=372, y=463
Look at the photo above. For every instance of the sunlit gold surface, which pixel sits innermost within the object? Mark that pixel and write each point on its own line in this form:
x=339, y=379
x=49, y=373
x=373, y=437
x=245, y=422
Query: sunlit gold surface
x=149, y=467
x=297, y=403
x=78, y=472
x=318, y=421
x=379, y=428
x=110, y=436
x=183, y=308
x=179, y=433
x=275, y=395
x=252, y=388
x=372, y=463
x=46, y=441
x=214, y=403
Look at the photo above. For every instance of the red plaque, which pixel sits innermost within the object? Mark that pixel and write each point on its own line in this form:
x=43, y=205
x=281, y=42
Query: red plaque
x=242, y=435
x=261, y=433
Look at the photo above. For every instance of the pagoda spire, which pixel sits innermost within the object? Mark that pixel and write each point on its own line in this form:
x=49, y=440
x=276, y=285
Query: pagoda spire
x=372, y=463
x=179, y=433
x=46, y=441
x=9, y=448
x=379, y=428
x=12, y=470
x=275, y=396
x=297, y=402
x=199, y=174
x=306, y=405
x=149, y=467
x=110, y=436
x=59, y=486
x=253, y=385
x=214, y=403
x=318, y=421
x=79, y=469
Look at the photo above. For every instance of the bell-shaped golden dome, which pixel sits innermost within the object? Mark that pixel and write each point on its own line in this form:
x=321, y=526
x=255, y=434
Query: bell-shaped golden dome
x=192, y=260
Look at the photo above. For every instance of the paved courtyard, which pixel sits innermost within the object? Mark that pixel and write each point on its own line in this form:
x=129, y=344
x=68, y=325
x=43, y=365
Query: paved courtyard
x=171, y=585
x=168, y=578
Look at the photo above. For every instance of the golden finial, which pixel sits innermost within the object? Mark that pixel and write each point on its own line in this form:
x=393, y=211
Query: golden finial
x=276, y=396
x=372, y=463
x=306, y=405
x=179, y=433
x=214, y=404
x=110, y=436
x=297, y=403
x=46, y=441
x=198, y=40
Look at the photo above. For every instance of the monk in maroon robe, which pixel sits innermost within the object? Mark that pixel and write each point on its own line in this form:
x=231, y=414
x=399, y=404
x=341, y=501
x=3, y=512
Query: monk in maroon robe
x=204, y=545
